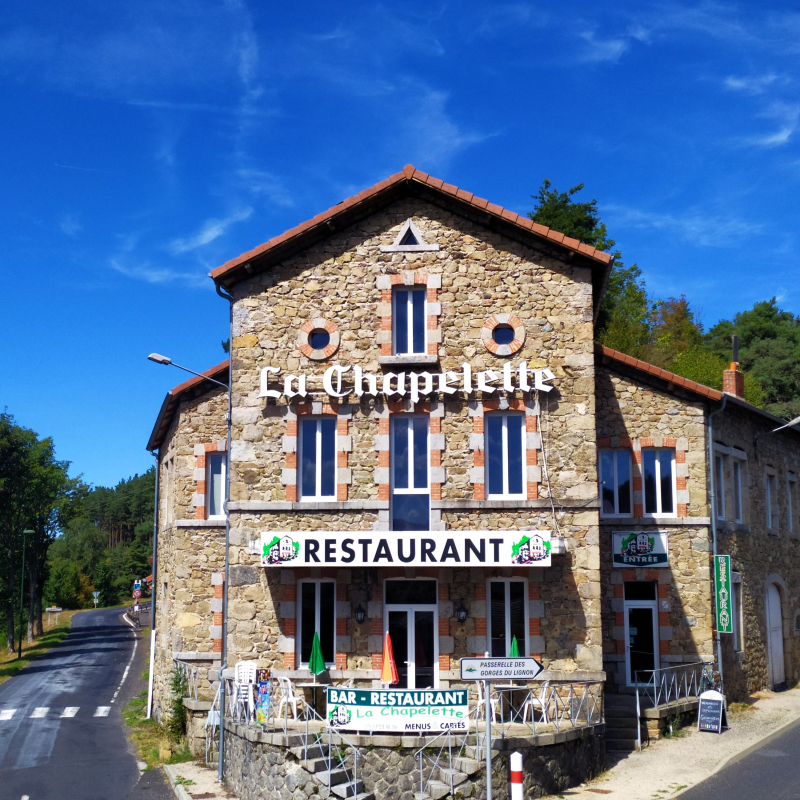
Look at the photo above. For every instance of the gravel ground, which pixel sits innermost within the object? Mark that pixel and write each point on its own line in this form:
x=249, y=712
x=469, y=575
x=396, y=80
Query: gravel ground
x=667, y=767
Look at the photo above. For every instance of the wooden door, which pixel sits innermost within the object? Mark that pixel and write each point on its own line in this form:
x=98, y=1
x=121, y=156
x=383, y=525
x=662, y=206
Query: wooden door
x=777, y=674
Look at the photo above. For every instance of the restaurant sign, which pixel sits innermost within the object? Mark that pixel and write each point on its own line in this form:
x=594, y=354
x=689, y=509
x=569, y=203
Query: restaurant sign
x=640, y=549
x=722, y=582
x=398, y=710
x=408, y=548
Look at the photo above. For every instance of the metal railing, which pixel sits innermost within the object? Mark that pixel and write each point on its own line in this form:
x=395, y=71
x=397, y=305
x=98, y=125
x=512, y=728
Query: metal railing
x=433, y=755
x=669, y=684
x=212, y=727
x=190, y=673
x=559, y=706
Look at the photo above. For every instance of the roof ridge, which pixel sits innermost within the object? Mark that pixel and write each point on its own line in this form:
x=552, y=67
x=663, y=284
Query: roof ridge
x=410, y=173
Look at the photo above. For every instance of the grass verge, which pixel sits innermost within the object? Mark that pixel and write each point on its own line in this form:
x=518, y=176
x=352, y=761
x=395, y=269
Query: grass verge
x=150, y=738
x=10, y=664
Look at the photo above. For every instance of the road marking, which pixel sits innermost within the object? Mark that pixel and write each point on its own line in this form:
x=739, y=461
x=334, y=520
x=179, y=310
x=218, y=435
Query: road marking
x=70, y=711
x=7, y=713
x=127, y=669
x=38, y=713
x=25, y=797
x=102, y=711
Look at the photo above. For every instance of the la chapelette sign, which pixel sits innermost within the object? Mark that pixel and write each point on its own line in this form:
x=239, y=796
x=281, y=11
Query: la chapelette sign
x=511, y=548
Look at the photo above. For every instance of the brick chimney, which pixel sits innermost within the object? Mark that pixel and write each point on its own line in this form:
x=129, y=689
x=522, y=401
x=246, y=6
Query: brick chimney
x=732, y=379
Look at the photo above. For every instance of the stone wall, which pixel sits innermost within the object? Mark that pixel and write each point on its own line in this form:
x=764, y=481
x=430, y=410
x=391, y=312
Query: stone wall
x=257, y=770
x=760, y=555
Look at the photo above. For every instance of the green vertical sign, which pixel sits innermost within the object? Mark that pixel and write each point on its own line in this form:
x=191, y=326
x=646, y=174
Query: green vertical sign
x=722, y=583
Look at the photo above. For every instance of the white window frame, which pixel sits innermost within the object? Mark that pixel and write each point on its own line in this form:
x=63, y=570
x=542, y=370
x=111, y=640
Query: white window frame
x=318, y=466
x=505, y=494
x=719, y=485
x=525, y=605
x=791, y=499
x=738, y=511
x=617, y=451
x=415, y=489
x=317, y=612
x=410, y=317
x=223, y=456
x=659, y=513
x=738, y=612
x=770, y=489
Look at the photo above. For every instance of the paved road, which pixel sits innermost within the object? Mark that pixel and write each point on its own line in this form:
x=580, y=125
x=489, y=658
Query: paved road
x=61, y=731
x=771, y=772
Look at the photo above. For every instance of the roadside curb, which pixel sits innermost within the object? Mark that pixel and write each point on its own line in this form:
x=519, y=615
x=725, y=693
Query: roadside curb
x=746, y=751
x=180, y=792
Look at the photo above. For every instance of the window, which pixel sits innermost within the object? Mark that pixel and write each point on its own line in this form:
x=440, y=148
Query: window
x=410, y=501
x=317, y=477
x=169, y=494
x=738, y=612
x=408, y=319
x=770, y=498
x=615, y=483
x=507, y=617
x=316, y=613
x=658, y=465
x=791, y=500
x=737, y=490
x=215, y=485
x=719, y=485
x=505, y=448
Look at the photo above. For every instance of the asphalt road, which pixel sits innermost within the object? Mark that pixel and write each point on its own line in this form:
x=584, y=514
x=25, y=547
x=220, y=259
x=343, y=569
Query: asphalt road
x=771, y=772
x=62, y=736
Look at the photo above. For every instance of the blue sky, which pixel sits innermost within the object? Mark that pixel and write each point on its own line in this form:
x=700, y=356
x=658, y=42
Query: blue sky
x=145, y=143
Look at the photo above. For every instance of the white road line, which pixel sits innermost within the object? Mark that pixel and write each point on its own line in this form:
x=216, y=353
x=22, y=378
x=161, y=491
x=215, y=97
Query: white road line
x=38, y=713
x=102, y=711
x=127, y=669
x=25, y=797
x=7, y=713
x=70, y=711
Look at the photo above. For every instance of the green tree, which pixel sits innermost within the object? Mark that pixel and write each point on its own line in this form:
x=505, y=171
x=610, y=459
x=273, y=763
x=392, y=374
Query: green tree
x=673, y=330
x=623, y=319
x=705, y=367
x=769, y=349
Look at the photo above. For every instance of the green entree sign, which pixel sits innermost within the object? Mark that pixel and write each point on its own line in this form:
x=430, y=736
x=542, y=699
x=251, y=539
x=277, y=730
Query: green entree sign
x=640, y=549
x=397, y=710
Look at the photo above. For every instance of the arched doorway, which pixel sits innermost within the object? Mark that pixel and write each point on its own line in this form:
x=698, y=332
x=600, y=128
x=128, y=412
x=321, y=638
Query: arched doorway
x=777, y=675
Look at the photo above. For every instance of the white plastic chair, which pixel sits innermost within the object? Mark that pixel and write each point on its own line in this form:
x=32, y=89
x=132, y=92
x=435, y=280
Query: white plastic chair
x=244, y=679
x=533, y=702
x=289, y=696
x=493, y=701
x=348, y=684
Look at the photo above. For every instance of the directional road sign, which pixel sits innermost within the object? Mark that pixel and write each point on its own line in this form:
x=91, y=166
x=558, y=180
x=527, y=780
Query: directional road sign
x=495, y=669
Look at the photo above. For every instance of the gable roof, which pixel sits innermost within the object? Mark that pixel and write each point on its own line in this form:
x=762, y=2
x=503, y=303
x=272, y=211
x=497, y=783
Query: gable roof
x=409, y=181
x=194, y=387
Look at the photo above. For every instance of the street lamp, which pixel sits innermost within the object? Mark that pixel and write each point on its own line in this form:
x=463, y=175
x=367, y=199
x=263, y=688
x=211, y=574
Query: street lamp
x=157, y=358
x=22, y=586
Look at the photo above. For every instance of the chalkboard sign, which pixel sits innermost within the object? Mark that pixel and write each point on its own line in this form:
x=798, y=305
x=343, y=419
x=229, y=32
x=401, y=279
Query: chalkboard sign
x=711, y=712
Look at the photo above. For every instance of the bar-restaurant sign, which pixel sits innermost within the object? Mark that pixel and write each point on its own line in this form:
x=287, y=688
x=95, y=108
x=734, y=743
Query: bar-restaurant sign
x=640, y=549
x=722, y=583
x=505, y=548
x=398, y=710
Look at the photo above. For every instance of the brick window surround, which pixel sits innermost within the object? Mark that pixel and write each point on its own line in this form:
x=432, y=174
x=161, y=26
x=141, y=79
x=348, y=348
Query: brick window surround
x=313, y=325
x=535, y=614
x=503, y=349
x=681, y=447
x=433, y=308
x=344, y=445
x=199, y=496
x=477, y=443
x=435, y=412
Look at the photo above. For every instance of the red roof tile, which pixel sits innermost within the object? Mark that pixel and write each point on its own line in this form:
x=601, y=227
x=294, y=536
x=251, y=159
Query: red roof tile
x=411, y=174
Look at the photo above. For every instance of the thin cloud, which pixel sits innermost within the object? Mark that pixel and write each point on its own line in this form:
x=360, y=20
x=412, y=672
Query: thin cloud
x=262, y=183
x=83, y=169
x=158, y=275
x=756, y=84
x=776, y=139
x=598, y=50
x=497, y=19
x=70, y=226
x=212, y=229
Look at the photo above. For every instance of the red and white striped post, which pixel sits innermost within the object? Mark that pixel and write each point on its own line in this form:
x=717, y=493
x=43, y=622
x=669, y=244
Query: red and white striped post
x=516, y=776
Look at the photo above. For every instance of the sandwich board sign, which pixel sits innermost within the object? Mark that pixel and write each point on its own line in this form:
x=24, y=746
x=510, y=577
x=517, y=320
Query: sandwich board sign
x=498, y=669
x=711, y=713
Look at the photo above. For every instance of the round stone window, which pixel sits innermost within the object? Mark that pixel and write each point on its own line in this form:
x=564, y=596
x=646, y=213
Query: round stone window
x=318, y=339
x=503, y=334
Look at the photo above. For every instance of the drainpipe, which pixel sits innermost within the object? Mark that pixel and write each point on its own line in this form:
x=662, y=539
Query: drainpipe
x=224, y=661
x=153, y=591
x=712, y=500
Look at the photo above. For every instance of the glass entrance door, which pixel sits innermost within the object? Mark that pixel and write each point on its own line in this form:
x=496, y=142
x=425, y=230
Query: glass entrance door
x=410, y=616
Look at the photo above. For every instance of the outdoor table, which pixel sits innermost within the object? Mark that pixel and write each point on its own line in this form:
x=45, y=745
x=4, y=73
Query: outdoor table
x=313, y=687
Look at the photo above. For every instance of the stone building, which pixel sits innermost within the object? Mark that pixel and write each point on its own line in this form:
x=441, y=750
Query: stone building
x=426, y=442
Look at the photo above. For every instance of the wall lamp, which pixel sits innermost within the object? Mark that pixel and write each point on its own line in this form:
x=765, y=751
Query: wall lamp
x=461, y=612
x=360, y=614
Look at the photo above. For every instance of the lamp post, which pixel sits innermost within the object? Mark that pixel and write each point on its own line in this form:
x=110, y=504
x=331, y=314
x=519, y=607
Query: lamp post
x=22, y=588
x=159, y=359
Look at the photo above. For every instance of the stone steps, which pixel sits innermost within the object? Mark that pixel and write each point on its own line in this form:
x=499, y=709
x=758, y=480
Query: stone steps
x=622, y=724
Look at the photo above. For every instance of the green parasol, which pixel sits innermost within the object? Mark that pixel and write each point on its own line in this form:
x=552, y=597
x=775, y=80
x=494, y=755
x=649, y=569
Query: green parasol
x=514, y=652
x=316, y=663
